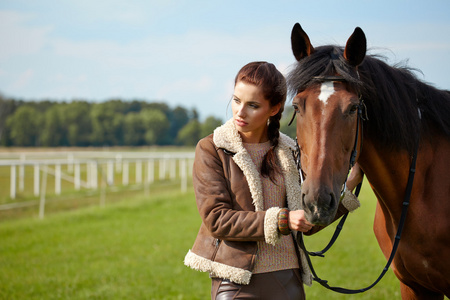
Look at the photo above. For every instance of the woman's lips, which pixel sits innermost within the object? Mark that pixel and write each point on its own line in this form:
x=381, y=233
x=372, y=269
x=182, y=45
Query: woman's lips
x=240, y=123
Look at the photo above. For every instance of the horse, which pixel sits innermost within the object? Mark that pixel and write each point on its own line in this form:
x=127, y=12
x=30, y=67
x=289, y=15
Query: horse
x=352, y=107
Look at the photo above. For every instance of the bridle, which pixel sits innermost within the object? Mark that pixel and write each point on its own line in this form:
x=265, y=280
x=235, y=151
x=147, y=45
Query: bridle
x=362, y=116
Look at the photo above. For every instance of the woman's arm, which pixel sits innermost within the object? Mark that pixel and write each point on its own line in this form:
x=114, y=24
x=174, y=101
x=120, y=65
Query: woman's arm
x=214, y=200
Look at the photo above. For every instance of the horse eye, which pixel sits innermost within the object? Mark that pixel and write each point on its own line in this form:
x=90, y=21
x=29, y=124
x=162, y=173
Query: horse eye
x=353, y=109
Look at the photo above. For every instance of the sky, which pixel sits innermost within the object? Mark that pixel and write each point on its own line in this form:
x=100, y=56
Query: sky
x=187, y=53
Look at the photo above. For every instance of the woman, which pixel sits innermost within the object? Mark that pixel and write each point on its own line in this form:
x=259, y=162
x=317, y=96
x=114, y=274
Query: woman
x=248, y=196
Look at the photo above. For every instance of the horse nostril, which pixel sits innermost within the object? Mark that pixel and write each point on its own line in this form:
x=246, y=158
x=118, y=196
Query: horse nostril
x=333, y=203
x=303, y=201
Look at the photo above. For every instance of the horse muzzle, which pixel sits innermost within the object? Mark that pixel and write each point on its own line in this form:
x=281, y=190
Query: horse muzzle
x=320, y=204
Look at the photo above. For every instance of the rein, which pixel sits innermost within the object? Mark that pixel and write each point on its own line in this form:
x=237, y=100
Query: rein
x=401, y=224
x=353, y=156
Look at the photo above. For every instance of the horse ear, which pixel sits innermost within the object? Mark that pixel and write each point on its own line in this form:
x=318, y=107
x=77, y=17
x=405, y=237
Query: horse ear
x=301, y=46
x=355, y=49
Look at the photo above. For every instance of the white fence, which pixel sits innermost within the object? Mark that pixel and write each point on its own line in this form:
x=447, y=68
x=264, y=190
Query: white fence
x=99, y=167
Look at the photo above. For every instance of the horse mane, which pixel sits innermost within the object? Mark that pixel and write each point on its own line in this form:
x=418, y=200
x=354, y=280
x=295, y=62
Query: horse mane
x=400, y=107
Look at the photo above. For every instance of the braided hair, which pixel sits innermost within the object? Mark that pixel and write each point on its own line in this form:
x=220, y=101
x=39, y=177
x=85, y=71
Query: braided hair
x=273, y=85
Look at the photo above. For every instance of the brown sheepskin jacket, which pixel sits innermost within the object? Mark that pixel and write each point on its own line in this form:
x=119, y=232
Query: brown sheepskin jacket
x=229, y=198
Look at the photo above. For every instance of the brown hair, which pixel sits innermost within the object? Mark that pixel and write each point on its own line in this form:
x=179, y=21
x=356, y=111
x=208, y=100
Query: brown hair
x=273, y=85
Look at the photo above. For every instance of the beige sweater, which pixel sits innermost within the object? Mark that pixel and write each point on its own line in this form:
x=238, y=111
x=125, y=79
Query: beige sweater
x=281, y=256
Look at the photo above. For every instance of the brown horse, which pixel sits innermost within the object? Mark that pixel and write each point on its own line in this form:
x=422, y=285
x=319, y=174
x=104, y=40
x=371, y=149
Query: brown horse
x=330, y=86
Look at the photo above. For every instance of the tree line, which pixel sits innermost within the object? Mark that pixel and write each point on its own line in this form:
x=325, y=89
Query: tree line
x=116, y=122
x=111, y=123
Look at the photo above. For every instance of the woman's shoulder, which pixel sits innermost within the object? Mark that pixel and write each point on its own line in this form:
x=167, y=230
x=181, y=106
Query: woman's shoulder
x=206, y=143
x=286, y=142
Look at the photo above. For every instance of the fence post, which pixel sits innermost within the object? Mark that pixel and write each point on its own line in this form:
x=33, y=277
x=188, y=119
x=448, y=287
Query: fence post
x=94, y=175
x=139, y=171
x=104, y=182
x=43, y=191
x=118, y=163
x=125, y=173
x=183, y=175
x=70, y=163
x=12, y=191
x=110, y=168
x=88, y=175
x=36, y=179
x=77, y=180
x=58, y=179
x=151, y=171
x=22, y=173
x=173, y=168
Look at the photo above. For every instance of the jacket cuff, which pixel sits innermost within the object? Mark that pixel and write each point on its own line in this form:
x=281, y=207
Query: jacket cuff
x=350, y=201
x=271, y=232
x=215, y=269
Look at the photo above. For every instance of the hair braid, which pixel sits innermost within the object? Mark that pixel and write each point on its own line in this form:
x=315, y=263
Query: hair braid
x=273, y=85
x=269, y=166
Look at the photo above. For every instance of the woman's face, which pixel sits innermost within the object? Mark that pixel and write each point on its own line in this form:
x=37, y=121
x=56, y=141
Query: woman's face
x=251, y=112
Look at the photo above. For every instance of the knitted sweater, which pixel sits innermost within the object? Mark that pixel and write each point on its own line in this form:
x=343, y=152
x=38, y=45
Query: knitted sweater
x=281, y=256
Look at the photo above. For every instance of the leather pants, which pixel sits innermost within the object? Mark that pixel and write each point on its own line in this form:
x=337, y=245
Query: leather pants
x=285, y=284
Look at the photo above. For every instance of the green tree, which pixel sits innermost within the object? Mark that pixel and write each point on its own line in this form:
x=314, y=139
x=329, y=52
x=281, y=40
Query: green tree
x=106, y=125
x=178, y=119
x=76, y=116
x=208, y=126
x=134, y=129
x=189, y=135
x=7, y=108
x=53, y=130
x=24, y=126
x=156, y=125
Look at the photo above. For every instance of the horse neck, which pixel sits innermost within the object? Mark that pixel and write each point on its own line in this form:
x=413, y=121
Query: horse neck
x=387, y=172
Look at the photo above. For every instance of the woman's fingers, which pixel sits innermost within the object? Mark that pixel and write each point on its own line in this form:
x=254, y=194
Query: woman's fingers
x=298, y=222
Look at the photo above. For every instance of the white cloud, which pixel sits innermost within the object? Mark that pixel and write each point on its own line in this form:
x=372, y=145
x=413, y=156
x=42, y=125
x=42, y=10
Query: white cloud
x=134, y=13
x=17, y=38
x=22, y=80
x=185, y=85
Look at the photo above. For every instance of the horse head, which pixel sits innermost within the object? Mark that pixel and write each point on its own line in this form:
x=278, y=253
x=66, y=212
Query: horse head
x=324, y=83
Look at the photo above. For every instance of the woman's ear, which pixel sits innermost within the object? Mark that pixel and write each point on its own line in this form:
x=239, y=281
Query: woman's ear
x=275, y=109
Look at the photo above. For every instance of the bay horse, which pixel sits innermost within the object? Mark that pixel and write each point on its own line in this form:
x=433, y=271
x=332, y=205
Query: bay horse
x=346, y=100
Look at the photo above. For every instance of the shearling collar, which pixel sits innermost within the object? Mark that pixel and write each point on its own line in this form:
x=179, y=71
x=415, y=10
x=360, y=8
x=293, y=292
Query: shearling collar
x=227, y=137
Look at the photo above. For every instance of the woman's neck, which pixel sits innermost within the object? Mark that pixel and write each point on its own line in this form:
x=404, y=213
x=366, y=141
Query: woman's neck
x=254, y=137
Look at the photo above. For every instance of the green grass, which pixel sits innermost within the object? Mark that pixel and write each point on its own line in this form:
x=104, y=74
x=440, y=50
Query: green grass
x=134, y=249
x=355, y=260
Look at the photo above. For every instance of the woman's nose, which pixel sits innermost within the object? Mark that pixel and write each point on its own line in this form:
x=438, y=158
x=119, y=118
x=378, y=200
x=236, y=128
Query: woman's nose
x=241, y=111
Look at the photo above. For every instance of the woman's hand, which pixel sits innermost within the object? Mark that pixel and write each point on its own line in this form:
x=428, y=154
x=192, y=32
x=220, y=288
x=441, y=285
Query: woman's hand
x=355, y=177
x=298, y=222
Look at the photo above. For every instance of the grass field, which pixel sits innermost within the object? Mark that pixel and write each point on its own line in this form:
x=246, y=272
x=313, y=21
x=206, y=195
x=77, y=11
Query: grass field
x=134, y=248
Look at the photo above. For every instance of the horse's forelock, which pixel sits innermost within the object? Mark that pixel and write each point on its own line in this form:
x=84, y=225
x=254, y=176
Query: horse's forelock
x=325, y=61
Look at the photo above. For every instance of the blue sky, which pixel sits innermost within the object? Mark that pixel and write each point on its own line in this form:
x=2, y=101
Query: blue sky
x=188, y=52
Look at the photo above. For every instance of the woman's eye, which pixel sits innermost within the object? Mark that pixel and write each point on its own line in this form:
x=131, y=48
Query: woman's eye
x=236, y=100
x=255, y=106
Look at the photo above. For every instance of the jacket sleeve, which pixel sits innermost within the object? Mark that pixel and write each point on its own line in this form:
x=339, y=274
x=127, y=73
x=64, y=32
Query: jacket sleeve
x=215, y=204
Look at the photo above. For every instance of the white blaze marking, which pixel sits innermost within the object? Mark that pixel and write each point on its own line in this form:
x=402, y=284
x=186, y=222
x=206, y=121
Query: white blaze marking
x=326, y=90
